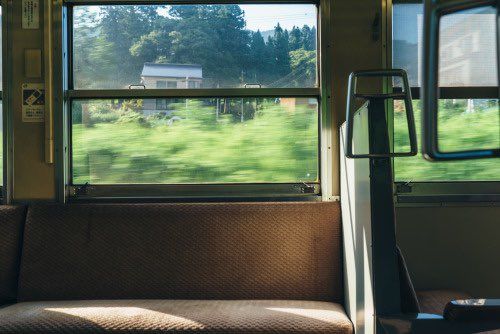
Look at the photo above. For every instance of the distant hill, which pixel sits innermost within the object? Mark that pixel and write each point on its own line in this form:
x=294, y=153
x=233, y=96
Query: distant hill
x=267, y=33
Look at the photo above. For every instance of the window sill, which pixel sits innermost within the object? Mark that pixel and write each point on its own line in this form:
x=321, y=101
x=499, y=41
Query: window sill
x=196, y=193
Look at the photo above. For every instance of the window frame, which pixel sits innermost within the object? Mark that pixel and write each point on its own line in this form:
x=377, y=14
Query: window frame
x=431, y=193
x=5, y=98
x=67, y=191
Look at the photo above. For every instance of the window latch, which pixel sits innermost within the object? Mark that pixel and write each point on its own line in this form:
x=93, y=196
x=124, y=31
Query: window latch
x=404, y=188
x=82, y=190
x=307, y=188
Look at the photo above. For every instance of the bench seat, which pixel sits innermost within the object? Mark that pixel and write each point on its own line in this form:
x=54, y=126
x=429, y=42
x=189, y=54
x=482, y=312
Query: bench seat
x=179, y=316
x=173, y=268
x=434, y=301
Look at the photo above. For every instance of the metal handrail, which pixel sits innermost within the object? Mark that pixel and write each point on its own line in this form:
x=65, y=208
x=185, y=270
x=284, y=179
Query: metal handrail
x=405, y=95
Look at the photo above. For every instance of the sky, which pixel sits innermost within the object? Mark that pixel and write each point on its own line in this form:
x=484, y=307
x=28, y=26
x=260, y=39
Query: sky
x=265, y=17
x=407, y=20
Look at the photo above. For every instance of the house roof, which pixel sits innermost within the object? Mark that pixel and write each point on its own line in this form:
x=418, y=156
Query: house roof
x=172, y=70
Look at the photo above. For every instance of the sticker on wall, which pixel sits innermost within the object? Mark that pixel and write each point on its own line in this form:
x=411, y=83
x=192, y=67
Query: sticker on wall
x=33, y=102
x=31, y=14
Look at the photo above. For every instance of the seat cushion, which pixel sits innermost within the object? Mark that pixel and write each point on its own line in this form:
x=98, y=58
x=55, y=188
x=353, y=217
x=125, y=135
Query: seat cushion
x=434, y=301
x=213, y=251
x=179, y=316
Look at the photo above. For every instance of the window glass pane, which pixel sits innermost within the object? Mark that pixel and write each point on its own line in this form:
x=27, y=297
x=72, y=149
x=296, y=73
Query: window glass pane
x=468, y=52
x=468, y=55
x=195, y=141
x=471, y=124
x=196, y=46
x=406, y=39
x=457, y=119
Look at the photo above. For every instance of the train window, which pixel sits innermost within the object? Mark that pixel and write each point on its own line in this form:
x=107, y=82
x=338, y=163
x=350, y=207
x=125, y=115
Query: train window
x=229, y=94
x=469, y=112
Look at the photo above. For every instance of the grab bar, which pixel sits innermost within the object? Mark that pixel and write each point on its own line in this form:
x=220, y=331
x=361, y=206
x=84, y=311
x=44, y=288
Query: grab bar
x=405, y=95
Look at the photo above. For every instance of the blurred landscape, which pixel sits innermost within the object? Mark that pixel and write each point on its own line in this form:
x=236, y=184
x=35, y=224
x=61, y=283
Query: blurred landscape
x=270, y=142
x=459, y=130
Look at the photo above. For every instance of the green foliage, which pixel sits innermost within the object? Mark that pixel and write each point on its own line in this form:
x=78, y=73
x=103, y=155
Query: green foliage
x=309, y=38
x=278, y=145
x=459, y=130
x=296, y=39
x=304, y=64
x=112, y=45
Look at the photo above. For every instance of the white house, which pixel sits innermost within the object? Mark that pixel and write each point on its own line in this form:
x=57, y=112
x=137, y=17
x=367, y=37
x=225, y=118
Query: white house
x=169, y=76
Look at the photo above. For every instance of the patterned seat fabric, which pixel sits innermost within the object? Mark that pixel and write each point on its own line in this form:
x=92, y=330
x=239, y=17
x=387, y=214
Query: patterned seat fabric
x=178, y=316
x=434, y=301
x=183, y=268
x=274, y=251
x=11, y=231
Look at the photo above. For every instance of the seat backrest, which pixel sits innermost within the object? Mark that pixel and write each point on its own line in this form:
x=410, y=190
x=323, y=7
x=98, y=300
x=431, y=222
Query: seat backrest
x=11, y=227
x=182, y=251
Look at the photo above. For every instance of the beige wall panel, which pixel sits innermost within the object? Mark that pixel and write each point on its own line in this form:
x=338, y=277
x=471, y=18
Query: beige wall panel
x=33, y=179
x=353, y=49
x=452, y=247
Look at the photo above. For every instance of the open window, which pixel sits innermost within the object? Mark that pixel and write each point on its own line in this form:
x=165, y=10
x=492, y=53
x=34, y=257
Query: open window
x=193, y=100
x=469, y=110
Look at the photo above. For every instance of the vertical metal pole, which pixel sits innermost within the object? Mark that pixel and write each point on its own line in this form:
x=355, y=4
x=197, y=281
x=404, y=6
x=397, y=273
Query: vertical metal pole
x=7, y=117
x=61, y=44
x=385, y=270
x=49, y=79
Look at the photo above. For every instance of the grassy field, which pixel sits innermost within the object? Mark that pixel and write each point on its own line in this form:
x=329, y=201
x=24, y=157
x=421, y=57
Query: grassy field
x=458, y=130
x=113, y=143
x=275, y=144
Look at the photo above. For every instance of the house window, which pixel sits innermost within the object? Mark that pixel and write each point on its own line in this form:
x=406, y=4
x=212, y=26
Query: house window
x=469, y=112
x=161, y=84
x=161, y=104
x=225, y=139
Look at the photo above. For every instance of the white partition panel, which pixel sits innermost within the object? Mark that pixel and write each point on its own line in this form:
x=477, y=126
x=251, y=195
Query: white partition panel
x=356, y=222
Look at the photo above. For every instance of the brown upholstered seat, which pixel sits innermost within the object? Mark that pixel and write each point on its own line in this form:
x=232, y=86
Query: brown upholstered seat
x=179, y=316
x=182, y=251
x=11, y=231
x=434, y=301
x=430, y=301
x=183, y=268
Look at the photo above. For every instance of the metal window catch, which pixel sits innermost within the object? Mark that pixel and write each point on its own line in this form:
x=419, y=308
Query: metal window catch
x=137, y=86
x=371, y=97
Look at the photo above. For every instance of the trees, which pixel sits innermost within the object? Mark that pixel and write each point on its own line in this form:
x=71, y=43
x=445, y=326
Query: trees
x=309, y=38
x=281, y=49
x=303, y=63
x=121, y=27
x=260, y=58
x=112, y=44
x=295, y=39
